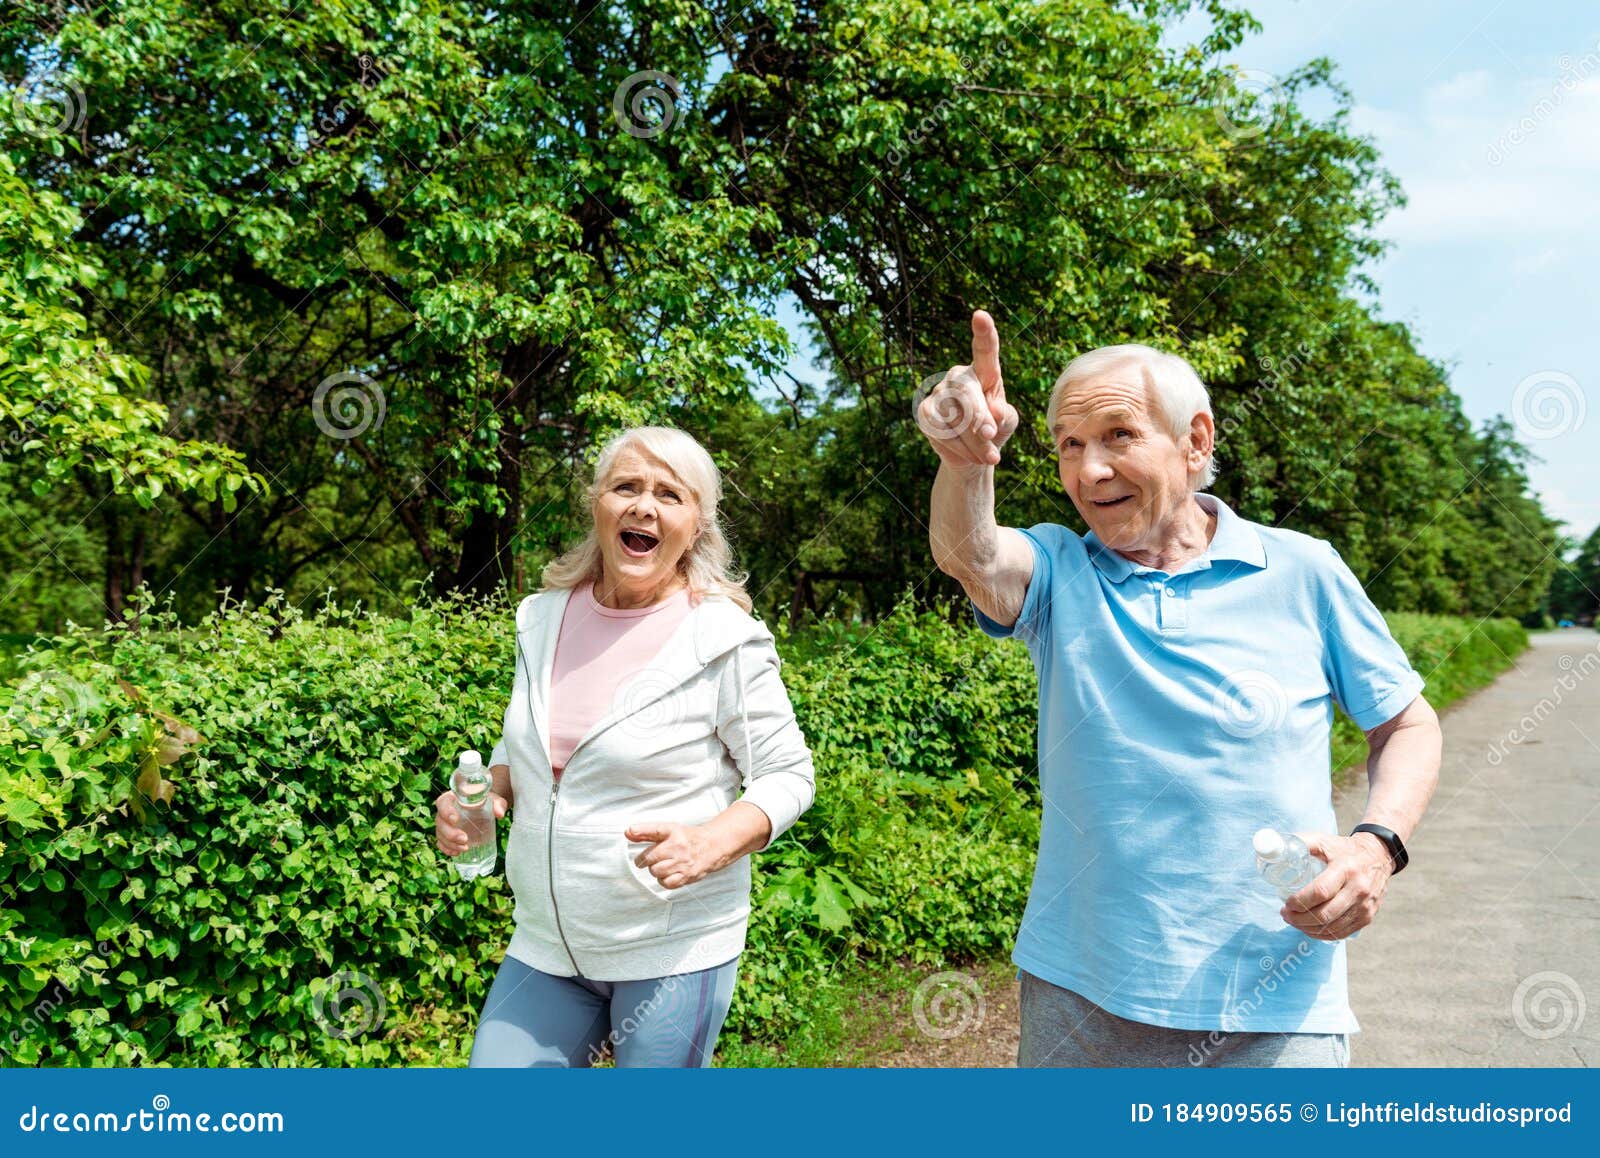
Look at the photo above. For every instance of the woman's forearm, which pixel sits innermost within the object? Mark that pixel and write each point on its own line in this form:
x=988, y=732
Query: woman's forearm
x=738, y=830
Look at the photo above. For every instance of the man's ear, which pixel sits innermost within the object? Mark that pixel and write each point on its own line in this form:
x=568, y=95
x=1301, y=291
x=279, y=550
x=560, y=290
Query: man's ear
x=1202, y=439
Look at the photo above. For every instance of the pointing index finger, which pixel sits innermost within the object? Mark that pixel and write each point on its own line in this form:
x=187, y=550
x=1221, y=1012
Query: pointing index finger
x=985, y=350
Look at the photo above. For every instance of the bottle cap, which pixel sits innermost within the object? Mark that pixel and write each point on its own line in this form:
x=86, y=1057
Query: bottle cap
x=1268, y=844
x=469, y=758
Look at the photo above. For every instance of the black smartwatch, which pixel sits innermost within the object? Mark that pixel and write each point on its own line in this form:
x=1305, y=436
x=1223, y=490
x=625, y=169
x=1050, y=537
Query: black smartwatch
x=1391, y=841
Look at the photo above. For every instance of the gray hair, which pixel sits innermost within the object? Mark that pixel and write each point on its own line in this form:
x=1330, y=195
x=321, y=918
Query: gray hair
x=707, y=563
x=1176, y=389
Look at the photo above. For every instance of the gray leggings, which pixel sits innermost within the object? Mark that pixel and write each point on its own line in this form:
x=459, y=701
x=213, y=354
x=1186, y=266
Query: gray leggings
x=538, y=1019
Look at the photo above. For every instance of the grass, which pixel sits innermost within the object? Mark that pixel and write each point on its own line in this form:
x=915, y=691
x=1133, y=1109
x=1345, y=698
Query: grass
x=861, y=1016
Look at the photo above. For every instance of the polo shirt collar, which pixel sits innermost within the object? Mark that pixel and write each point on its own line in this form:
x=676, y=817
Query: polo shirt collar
x=1234, y=539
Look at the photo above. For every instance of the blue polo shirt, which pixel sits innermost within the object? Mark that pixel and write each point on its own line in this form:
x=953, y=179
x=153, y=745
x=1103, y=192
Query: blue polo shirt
x=1179, y=713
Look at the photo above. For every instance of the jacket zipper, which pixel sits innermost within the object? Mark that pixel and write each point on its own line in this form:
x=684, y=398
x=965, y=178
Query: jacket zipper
x=550, y=826
x=550, y=863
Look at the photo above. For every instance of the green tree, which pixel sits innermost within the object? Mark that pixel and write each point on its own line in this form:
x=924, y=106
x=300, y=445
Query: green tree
x=414, y=259
x=72, y=406
x=480, y=218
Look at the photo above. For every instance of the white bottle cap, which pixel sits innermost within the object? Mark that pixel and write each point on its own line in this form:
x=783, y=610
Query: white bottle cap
x=1268, y=844
x=469, y=759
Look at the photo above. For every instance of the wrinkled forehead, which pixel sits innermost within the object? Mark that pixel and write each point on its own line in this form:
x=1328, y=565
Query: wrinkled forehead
x=1119, y=393
x=634, y=463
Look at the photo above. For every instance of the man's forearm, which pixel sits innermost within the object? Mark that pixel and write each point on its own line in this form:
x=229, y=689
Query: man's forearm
x=962, y=532
x=1402, y=772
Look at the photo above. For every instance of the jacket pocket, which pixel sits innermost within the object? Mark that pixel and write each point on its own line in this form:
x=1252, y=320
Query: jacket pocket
x=528, y=874
x=601, y=903
x=709, y=902
x=647, y=880
x=714, y=899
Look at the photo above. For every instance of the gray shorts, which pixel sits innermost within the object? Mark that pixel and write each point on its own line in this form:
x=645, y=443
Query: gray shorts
x=1060, y=1028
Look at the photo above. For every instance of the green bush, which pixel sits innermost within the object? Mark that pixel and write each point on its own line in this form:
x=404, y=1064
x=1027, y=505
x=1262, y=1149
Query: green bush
x=217, y=838
x=1454, y=656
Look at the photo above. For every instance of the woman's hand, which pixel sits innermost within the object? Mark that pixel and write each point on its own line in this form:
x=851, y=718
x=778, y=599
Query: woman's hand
x=447, y=831
x=684, y=853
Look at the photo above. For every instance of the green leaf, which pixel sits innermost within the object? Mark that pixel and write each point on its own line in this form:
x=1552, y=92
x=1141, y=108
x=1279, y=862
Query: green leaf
x=829, y=906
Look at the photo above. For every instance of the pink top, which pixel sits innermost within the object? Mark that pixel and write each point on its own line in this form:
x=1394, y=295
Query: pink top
x=597, y=650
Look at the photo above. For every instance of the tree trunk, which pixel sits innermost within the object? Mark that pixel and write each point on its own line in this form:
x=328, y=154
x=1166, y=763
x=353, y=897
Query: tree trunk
x=115, y=597
x=486, y=562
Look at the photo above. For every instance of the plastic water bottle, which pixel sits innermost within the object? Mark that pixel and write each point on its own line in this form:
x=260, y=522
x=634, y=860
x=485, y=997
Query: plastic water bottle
x=1284, y=861
x=1286, y=864
x=471, y=783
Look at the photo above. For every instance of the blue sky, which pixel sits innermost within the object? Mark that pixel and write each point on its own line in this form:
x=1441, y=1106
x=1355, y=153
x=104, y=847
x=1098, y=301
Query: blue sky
x=1488, y=111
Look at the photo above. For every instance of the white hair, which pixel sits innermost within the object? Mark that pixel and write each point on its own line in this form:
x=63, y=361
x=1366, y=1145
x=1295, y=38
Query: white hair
x=1176, y=389
x=707, y=564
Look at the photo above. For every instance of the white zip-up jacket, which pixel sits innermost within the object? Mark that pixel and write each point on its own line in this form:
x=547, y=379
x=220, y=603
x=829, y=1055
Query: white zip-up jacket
x=707, y=716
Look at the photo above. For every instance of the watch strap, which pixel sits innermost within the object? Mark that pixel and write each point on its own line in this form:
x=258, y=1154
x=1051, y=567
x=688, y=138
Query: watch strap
x=1391, y=839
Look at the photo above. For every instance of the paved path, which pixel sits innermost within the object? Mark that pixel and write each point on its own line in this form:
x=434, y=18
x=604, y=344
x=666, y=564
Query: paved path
x=1487, y=951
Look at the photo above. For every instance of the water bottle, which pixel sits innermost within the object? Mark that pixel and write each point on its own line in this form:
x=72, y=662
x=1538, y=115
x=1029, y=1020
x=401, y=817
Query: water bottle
x=471, y=783
x=1284, y=861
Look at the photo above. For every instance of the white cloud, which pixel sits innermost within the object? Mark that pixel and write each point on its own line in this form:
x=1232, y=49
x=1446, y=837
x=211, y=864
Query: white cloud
x=1467, y=87
x=1518, y=160
x=1529, y=264
x=1581, y=513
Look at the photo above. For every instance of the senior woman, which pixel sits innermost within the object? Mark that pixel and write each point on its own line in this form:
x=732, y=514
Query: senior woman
x=644, y=694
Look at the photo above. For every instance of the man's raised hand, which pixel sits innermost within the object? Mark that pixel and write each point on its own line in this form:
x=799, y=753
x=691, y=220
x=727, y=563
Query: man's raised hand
x=964, y=412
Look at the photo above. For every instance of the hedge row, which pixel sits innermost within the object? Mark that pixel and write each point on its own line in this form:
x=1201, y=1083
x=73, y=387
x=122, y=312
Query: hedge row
x=217, y=839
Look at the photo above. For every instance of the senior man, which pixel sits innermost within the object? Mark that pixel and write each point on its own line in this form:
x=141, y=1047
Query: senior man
x=1188, y=663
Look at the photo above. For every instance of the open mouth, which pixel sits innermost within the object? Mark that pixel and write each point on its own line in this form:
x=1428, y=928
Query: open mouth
x=1103, y=504
x=639, y=543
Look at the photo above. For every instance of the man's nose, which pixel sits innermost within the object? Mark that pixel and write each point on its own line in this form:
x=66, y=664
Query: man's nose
x=1094, y=467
